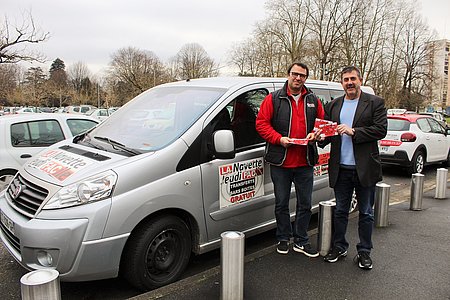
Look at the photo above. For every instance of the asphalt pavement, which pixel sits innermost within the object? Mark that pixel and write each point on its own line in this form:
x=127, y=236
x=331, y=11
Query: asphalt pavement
x=410, y=261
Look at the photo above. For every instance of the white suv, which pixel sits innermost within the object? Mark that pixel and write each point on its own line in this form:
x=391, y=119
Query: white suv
x=414, y=140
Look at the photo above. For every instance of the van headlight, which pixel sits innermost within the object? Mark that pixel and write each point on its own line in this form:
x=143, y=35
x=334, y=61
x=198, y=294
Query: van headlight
x=92, y=189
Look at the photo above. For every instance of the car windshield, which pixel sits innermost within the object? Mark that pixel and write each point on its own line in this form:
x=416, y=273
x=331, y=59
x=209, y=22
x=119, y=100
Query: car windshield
x=154, y=119
x=398, y=125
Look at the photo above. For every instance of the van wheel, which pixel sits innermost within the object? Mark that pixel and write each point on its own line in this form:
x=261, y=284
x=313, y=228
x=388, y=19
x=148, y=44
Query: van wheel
x=417, y=163
x=6, y=176
x=157, y=253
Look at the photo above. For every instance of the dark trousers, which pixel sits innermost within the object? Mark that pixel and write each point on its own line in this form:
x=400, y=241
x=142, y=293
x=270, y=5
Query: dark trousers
x=282, y=179
x=347, y=183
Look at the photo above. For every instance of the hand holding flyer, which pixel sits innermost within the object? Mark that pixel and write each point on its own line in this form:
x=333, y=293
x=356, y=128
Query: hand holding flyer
x=299, y=141
x=328, y=128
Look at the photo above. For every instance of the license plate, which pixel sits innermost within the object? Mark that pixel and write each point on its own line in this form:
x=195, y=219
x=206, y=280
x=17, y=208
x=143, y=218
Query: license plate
x=384, y=149
x=7, y=222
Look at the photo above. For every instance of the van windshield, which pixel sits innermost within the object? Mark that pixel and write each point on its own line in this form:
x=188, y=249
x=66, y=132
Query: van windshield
x=154, y=119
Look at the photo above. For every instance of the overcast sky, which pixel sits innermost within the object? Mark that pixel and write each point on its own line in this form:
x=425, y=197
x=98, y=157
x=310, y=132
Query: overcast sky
x=91, y=30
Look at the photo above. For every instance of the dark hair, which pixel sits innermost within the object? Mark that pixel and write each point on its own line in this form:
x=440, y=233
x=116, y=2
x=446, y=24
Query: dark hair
x=350, y=69
x=300, y=64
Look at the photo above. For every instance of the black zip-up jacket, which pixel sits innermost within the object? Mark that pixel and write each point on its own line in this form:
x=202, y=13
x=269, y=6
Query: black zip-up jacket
x=281, y=122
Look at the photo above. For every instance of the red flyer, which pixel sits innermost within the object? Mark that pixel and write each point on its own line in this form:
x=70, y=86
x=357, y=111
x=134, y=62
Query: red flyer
x=328, y=128
x=299, y=141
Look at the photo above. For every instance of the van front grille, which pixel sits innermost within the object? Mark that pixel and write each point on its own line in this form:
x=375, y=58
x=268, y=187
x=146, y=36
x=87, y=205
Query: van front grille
x=25, y=197
x=12, y=239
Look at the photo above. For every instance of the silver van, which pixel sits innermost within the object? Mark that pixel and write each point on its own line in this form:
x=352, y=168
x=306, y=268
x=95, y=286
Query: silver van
x=158, y=180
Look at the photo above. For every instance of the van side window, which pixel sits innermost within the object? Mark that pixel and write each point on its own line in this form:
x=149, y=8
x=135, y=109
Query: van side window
x=323, y=95
x=240, y=116
x=244, y=111
x=336, y=93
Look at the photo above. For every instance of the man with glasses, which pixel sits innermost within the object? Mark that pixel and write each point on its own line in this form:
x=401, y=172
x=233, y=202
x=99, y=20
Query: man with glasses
x=286, y=116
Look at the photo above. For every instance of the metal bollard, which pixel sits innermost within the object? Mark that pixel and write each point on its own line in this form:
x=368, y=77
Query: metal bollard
x=441, y=183
x=325, y=227
x=232, y=265
x=416, y=191
x=41, y=285
x=382, y=192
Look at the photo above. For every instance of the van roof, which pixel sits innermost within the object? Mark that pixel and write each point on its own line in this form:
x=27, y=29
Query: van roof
x=228, y=82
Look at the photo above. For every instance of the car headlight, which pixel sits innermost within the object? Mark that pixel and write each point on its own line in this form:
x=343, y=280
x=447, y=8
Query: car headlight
x=92, y=189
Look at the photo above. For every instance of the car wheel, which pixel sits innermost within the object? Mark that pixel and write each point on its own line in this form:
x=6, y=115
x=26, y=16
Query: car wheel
x=417, y=162
x=5, y=178
x=157, y=253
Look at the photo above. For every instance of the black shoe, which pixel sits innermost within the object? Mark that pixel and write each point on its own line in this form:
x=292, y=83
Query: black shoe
x=283, y=247
x=307, y=249
x=334, y=255
x=364, y=260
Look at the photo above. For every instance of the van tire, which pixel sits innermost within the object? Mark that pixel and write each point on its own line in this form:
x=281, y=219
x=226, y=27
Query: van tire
x=157, y=253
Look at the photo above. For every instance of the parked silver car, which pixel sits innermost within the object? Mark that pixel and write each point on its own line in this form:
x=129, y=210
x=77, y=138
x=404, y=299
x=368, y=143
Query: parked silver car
x=137, y=196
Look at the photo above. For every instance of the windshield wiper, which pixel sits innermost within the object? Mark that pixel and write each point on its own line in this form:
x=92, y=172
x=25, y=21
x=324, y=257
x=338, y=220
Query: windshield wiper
x=80, y=138
x=118, y=146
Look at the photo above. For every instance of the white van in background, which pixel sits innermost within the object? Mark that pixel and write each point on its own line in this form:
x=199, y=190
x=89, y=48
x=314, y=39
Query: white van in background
x=79, y=109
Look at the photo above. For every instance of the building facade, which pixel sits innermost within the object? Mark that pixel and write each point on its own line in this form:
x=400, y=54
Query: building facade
x=439, y=54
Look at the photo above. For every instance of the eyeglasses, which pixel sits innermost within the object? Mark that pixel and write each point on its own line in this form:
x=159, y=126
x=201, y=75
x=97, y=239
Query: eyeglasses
x=296, y=75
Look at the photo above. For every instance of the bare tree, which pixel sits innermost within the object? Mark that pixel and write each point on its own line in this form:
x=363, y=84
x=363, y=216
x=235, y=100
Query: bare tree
x=139, y=69
x=76, y=73
x=327, y=18
x=194, y=62
x=288, y=21
x=414, y=53
x=238, y=58
x=269, y=52
x=15, y=39
x=79, y=78
x=9, y=80
x=255, y=57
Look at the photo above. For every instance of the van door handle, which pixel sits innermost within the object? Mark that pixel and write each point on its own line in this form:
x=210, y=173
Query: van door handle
x=25, y=156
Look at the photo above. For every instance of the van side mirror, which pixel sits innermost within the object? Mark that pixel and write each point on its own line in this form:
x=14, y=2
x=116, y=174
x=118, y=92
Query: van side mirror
x=223, y=141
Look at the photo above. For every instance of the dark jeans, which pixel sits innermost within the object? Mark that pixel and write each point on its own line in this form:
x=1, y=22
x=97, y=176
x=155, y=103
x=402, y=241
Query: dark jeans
x=282, y=179
x=343, y=190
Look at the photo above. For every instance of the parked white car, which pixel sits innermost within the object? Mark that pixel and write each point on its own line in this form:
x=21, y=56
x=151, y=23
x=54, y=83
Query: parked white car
x=99, y=113
x=27, y=110
x=414, y=140
x=79, y=109
x=438, y=116
x=24, y=135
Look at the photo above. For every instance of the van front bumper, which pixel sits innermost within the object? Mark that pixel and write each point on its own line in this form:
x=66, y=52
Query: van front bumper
x=59, y=244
